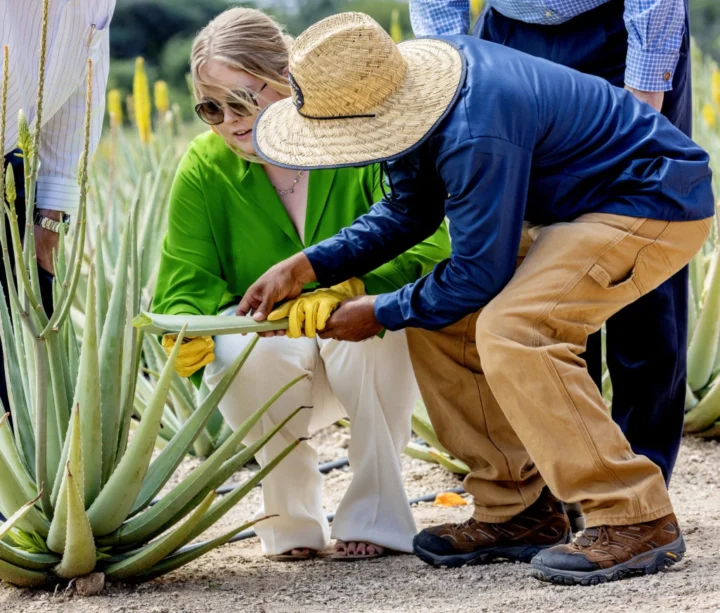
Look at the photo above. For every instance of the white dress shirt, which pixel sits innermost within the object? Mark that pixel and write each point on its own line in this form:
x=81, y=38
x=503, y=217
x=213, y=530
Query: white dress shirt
x=78, y=30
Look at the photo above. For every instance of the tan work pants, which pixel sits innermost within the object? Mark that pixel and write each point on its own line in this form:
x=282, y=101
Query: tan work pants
x=508, y=393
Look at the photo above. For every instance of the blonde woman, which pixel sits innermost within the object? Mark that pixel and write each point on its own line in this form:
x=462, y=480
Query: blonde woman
x=233, y=217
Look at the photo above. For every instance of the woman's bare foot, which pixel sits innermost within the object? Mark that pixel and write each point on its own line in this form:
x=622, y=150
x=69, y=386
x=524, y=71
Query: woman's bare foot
x=357, y=550
x=294, y=555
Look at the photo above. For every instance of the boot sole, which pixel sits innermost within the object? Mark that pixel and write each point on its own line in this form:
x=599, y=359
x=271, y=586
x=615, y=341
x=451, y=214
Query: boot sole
x=518, y=553
x=647, y=563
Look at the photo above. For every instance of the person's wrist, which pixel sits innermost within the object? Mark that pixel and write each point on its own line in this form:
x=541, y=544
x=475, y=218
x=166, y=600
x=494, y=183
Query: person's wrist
x=302, y=269
x=52, y=214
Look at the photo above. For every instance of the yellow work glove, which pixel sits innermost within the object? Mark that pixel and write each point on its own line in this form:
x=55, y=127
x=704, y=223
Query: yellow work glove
x=194, y=353
x=314, y=308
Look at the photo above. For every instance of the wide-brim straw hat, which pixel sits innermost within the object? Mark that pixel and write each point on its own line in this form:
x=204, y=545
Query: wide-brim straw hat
x=358, y=98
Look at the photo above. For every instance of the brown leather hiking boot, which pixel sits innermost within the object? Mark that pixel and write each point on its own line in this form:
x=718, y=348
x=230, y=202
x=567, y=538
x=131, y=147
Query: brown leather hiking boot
x=608, y=553
x=540, y=526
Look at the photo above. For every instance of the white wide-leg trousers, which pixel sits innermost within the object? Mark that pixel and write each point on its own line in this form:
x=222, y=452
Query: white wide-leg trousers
x=370, y=382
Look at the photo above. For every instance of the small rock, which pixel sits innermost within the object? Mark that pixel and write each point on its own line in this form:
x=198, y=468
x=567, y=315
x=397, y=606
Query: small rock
x=90, y=585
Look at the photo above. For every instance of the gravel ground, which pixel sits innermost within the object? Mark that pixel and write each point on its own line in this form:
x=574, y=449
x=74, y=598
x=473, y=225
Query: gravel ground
x=237, y=578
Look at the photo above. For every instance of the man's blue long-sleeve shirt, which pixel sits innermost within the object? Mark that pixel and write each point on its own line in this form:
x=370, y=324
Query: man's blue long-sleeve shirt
x=525, y=139
x=655, y=29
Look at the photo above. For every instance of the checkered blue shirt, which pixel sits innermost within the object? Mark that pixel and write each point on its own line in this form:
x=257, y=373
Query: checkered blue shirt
x=655, y=29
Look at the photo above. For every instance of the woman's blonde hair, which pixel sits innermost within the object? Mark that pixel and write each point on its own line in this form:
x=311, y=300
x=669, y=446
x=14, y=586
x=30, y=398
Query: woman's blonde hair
x=245, y=39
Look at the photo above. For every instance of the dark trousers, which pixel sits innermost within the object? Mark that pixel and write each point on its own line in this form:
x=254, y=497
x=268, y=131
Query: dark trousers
x=45, y=277
x=647, y=340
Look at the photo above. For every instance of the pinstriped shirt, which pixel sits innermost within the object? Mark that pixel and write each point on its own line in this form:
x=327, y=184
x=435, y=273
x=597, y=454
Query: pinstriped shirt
x=78, y=30
x=655, y=29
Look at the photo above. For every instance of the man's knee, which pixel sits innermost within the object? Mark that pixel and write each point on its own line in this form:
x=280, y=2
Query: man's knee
x=498, y=335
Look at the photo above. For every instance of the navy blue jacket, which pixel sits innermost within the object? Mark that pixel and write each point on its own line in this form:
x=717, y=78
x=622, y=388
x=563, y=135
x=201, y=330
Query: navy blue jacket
x=525, y=139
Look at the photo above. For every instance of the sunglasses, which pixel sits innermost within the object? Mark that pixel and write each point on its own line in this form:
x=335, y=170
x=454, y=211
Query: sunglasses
x=243, y=104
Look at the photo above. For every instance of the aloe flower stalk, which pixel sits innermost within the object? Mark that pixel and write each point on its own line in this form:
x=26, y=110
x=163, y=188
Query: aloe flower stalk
x=141, y=102
x=162, y=98
x=115, y=110
x=395, y=28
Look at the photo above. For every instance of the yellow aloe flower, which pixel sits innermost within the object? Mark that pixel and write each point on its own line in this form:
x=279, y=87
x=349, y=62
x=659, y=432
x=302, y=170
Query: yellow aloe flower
x=708, y=113
x=715, y=86
x=476, y=7
x=162, y=99
x=115, y=109
x=395, y=30
x=141, y=98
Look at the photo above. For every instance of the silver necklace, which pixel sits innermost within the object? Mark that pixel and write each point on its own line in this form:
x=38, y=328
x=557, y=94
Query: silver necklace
x=291, y=189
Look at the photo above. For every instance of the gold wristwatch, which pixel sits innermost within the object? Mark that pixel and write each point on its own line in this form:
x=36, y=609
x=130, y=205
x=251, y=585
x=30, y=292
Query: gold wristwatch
x=52, y=224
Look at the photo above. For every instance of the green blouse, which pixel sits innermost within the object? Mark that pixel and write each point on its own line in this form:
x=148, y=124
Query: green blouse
x=227, y=226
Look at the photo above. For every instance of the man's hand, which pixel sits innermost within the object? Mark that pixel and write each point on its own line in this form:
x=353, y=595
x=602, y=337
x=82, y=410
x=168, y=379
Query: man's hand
x=47, y=241
x=654, y=99
x=354, y=321
x=284, y=280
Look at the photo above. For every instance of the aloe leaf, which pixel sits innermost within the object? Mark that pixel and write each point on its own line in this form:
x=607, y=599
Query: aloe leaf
x=426, y=432
x=186, y=496
x=228, y=501
x=73, y=473
x=691, y=399
x=697, y=277
x=54, y=444
x=79, y=557
x=153, y=519
x=204, y=325
x=73, y=360
x=15, y=519
x=12, y=457
x=181, y=558
x=692, y=314
x=101, y=291
x=111, y=358
x=13, y=498
x=135, y=349
x=131, y=345
x=169, y=459
x=712, y=432
x=419, y=452
x=25, y=559
x=22, y=577
x=153, y=553
x=704, y=345
x=117, y=497
x=41, y=426
x=706, y=412
x=450, y=463
x=16, y=386
x=88, y=400
x=57, y=364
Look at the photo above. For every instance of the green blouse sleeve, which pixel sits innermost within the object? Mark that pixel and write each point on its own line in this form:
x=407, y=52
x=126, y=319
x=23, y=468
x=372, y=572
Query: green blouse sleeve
x=416, y=262
x=190, y=279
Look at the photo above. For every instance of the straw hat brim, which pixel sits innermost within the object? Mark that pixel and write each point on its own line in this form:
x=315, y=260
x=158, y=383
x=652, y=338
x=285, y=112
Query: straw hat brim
x=435, y=71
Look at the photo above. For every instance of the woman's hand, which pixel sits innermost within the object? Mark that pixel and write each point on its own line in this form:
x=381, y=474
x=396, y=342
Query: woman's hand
x=354, y=321
x=282, y=281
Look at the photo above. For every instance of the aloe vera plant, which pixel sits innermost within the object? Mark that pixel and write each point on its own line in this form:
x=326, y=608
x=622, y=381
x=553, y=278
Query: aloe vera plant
x=77, y=488
x=703, y=393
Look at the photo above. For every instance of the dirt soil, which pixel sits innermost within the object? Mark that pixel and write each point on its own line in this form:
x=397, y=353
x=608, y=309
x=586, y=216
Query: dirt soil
x=236, y=578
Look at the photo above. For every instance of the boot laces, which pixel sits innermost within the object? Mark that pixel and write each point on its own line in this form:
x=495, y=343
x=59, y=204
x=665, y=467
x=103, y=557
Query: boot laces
x=592, y=536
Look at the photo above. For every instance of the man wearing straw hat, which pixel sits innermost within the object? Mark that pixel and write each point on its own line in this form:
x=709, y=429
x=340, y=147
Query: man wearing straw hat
x=619, y=200
x=644, y=46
